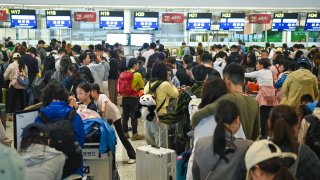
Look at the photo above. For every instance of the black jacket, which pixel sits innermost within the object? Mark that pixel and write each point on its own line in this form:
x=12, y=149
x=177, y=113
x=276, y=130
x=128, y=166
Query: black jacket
x=85, y=73
x=183, y=77
x=32, y=64
x=114, y=69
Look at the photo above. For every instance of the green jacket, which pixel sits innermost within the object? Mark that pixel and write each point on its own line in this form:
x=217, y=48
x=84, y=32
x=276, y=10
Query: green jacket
x=249, y=113
x=181, y=108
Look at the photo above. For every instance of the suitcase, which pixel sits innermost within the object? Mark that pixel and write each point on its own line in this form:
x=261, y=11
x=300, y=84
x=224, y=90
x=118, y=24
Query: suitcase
x=154, y=163
x=96, y=166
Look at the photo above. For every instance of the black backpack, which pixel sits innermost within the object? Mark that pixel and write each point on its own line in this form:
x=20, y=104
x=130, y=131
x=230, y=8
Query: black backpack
x=62, y=139
x=5, y=56
x=313, y=134
x=192, y=51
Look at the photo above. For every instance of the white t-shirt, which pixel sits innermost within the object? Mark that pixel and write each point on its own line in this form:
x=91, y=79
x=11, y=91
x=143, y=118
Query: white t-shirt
x=263, y=76
x=112, y=111
x=219, y=65
x=147, y=55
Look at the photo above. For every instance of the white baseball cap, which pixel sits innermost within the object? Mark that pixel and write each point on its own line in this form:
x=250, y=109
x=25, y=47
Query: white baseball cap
x=263, y=150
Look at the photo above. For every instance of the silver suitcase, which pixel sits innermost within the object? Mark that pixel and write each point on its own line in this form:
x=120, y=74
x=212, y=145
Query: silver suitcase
x=154, y=163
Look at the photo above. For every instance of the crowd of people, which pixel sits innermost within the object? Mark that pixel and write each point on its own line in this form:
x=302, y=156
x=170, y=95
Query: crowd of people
x=237, y=112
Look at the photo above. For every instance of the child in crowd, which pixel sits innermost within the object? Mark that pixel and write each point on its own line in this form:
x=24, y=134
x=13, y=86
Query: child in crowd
x=108, y=110
x=266, y=95
x=307, y=105
x=83, y=95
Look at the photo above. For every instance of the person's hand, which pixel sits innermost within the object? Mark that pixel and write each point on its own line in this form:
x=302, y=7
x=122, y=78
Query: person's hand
x=73, y=102
x=99, y=58
x=158, y=122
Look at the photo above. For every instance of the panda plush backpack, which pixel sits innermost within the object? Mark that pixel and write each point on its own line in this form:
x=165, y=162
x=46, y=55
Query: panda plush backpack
x=147, y=108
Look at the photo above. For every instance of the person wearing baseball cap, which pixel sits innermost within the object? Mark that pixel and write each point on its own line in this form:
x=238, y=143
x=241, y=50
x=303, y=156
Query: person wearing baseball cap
x=42, y=161
x=17, y=95
x=265, y=160
x=298, y=83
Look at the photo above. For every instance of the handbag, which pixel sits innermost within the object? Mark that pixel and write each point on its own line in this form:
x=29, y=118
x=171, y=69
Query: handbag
x=19, y=81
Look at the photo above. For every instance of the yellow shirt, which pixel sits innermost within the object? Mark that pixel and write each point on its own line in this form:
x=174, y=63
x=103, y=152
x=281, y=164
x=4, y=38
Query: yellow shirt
x=164, y=91
x=137, y=81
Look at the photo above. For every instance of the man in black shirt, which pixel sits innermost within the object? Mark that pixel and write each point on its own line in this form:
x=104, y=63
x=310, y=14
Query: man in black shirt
x=33, y=69
x=182, y=73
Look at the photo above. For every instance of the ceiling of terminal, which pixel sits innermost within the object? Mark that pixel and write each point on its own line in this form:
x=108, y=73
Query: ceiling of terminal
x=311, y=5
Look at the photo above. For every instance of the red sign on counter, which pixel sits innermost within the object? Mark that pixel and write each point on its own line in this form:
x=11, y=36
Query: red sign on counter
x=85, y=16
x=3, y=15
x=172, y=17
x=259, y=18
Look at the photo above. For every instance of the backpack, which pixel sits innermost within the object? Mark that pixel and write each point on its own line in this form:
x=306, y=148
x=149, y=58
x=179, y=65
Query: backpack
x=37, y=85
x=20, y=81
x=313, y=134
x=184, y=126
x=5, y=56
x=124, y=86
x=192, y=51
x=62, y=139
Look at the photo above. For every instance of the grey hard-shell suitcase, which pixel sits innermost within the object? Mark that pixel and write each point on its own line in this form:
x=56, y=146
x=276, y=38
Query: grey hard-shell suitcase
x=154, y=163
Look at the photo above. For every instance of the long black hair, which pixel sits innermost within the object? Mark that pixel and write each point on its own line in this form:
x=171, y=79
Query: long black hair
x=74, y=69
x=227, y=112
x=282, y=119
x=159, y=71
x=211, y=90
x=21, y=64
x=65, y=62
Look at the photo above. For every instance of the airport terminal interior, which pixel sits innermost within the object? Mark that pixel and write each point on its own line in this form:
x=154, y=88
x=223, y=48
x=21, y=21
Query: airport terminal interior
x=159, y=90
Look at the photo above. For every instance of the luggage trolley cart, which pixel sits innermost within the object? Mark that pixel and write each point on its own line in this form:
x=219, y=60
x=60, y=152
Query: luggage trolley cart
x=96, y=166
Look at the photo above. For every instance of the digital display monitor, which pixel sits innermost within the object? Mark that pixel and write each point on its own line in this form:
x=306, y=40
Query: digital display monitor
x=232, y=21
x=111, y=19
x=199, y=21
x=146, y=20
x=58, y=19
x=22, y=18
x=312, y=22
x=284, y=21
x=139, y=39
x=118, y=38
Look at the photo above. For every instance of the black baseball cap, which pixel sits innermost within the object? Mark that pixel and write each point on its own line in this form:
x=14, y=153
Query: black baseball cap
x=76, y=48
x=35, y=130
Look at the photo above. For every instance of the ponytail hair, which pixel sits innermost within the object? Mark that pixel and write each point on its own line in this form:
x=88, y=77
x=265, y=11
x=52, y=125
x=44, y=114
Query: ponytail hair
x=282, y=135
x=227, y=112
x=21, y=64
x=276, y=167
x=282, y=120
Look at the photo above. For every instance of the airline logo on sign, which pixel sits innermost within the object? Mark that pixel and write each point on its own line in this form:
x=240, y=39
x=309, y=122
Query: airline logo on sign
x=172, y=17
x=85, y=16
x=260, y=18
x=3, y=15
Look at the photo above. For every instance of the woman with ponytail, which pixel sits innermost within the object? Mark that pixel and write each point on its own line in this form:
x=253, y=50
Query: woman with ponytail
x=221, y=156
x=284, y=128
